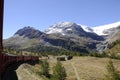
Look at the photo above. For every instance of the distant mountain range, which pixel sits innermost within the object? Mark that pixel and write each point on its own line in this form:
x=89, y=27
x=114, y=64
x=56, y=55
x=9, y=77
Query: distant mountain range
x=67, y=36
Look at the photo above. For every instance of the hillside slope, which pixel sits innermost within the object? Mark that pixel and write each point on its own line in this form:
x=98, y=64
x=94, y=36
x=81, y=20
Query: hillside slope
x=87, y=68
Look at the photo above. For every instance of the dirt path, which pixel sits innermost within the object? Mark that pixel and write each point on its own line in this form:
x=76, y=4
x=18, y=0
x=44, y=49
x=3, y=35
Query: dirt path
x=75, y=70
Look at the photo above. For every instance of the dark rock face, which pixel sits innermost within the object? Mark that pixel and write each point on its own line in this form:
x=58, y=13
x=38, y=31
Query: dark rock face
x=95, y=36
x=29, y=32
x=66, y=44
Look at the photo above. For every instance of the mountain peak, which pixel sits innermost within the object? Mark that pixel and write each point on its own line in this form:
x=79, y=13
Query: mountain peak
x=64, y=24
x=28, y=27
x=29, y=32
x=62, y=28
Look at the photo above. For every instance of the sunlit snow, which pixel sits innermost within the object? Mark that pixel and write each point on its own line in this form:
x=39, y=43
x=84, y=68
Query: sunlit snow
x=100, y=29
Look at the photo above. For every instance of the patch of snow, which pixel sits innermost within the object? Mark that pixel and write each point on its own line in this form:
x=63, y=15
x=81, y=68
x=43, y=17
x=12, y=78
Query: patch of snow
x=64, y=24
x=59, y=27
x=54, y=30
x=86, y=28
x=100, y=29
x=69, y=29
x=63, y=34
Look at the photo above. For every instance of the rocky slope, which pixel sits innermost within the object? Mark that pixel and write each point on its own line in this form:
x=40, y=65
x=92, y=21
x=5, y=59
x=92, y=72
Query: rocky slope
x=29, y=32
x=25, y=72
x=109, y=32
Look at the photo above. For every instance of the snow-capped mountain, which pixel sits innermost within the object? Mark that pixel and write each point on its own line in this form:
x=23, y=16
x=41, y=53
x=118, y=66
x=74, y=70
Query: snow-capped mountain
x=71, y=29
x=102, y=30
x=75, y=38
x=68, y=28
x=63, y=28
x=101, y=33
x=67, y=35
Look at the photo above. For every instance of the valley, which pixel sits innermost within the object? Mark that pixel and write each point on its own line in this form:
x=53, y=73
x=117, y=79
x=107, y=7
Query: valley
x=91, y=48
x=87, y=68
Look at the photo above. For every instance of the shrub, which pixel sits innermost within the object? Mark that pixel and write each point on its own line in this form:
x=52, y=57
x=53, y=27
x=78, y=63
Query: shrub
x=59, y=72
x=44, y=68
x=112, y=73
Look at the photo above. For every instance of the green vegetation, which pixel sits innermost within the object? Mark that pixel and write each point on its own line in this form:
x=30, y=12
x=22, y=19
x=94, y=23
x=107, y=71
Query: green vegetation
x=112, y=73
x=59, y=72
x=45, y=68
x=12, y=51
x=105, y=54
x=100, y=55
x=113, y=51
x=52, y=51
x=43, y=51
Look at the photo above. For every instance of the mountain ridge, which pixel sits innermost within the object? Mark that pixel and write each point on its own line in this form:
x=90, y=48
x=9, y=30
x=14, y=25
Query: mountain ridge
x=66, y=35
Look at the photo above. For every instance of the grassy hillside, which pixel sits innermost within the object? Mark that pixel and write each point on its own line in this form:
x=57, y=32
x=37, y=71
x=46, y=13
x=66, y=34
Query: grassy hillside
x=114, y=47
x=87, y=68
x=18, y=42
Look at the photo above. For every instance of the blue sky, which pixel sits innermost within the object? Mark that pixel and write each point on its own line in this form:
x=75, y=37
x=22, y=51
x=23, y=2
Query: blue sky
x=41, y=14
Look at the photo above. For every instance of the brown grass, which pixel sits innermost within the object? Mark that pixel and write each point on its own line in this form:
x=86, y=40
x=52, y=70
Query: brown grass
x=88, y=68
